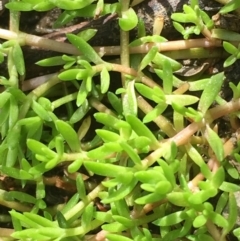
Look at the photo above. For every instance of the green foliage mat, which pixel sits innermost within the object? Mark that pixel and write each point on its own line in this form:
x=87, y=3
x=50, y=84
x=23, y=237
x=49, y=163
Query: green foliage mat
x=133, y=147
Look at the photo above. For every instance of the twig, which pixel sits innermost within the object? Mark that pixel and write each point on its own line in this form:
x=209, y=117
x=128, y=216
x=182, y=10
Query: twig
x=49, y=44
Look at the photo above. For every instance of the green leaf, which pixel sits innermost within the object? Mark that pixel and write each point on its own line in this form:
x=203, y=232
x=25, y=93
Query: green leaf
x=19, y=6
x=13, y=137
x=148, y=58
x=170, y=219
x=106, y=169
x=199, y=221
x=230, y=6
x=218, y=177
x=18, y=59
x=189, y=9
x=131, y=153
x=128, y=20
x=20, y=196
x=108, y=136
x=114, y=227
x=184, y=18
x=27, y=221
x=129, y=103
x=124, y=221
x=82, y=94
x=43, y=6
x=231, y=170
x=120, y=193
x=225, y=34
x=147, y=39
x=88, y=83
x=71, y=5
x=229, y=61
x=150, y=176
x=68, y=134
x=71, y=203
x=62, y=222
x=179, y=198
x=53, y=61
x=233, y=213
x=4, y=97
x=150, y=198
x=59, y=145
x=87, y=34
x=145, y=90
x=163, y=187
x=40, y=111
x=31, y=232
x=13, y=112
x=181, y=99
x=125, y=178
x=4, y=114
x=25, y=165
x=39, y=220
x=142, y=129
x=40, y=189
x=104, y=151
x=40, y=149
x=236, y=232
x=222, y=202
x=81, y=187
x=178, y=27
x=230, y=48
x=75, y=165
x=105, y=80
x=16, y=224
x=16, y=173
x=69, y=74
x=12, y=155
x=168, y=172
x=202, y=196
x=140, y=142
x=115, y=102
x=52, y=233
x=159, y=60
x=84, y=48
x=229, y=187
x=217, y=219
x=210, y=92
x=110, y=183
x=117, y=237
x=106, y=119
x=87, y=216
x=1, y=57
x=167, y=77
x=80, y=112
x=215, y=143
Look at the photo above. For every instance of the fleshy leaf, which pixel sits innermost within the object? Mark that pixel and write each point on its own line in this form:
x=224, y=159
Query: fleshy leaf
x=210, y=92
x=85, y=48
x=128, y=20
x=68, y=134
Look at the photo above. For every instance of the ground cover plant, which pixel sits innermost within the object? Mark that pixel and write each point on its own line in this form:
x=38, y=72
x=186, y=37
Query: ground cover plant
x=125, y=142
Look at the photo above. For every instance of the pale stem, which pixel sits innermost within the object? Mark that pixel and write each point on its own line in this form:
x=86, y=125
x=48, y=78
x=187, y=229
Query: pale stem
x=77, y=209
x=61, y=47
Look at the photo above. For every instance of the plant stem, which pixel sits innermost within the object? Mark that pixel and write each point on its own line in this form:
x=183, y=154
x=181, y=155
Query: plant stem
x=66, y=99
x=124, y=50
x=14, y=21
x=61, y=47
x=76, y=211
x=5, y=232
